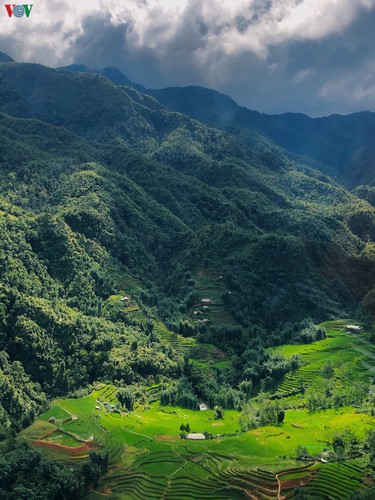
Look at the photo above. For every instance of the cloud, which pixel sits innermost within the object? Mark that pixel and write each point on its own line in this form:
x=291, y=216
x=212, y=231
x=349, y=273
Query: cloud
x=271, y=55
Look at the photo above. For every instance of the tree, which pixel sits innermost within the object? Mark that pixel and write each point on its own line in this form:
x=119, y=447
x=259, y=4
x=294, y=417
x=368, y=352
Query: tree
x=246, y=386
x=126, y=398
x=218, y=413
x=302, y=452
x=280, y=417
x=301, y=385
x=363, y=494
x=370, y=442
x=327, y=371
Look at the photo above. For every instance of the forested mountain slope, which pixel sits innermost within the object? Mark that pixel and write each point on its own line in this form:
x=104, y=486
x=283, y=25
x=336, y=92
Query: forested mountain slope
x=341, y=146
x=101, y=182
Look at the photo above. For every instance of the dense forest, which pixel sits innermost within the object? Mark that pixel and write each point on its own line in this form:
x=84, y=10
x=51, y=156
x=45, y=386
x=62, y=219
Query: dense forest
x=103, y=186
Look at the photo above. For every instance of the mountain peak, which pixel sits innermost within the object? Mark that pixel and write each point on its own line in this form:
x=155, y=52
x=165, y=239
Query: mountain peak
x=6, y=58
x=112, y=73
x=76, y=68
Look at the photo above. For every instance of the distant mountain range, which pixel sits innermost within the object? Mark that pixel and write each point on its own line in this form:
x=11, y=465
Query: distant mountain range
x=342, y=146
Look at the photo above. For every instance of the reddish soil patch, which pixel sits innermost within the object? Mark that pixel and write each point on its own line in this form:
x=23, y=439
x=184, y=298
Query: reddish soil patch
x=85, y=447
x=289, y=484
x=164, y=437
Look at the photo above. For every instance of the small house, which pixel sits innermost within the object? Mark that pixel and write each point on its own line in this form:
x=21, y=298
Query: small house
x=203, y=407
x=196, y=436
x=125, y=299
x=353, y=328
x=110, y=407
x=206, y=302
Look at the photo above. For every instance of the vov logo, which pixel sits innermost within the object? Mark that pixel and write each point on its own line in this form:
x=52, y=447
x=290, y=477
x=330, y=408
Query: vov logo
x=18, y=10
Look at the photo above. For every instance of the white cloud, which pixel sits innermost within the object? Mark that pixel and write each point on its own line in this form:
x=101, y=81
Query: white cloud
x=283, y=20
x=233, y=26
x=302, y=75
x=311, y=19
x=228, y=44
x=357, y=87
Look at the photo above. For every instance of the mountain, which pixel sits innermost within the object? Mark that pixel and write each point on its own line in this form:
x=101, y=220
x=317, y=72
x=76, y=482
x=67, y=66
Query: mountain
x=339, y=146
x=342, y=146
x=107, y=194
x=5, y=58
x=112, y=73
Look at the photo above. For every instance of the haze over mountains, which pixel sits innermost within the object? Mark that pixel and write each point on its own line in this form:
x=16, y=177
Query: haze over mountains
x=102, y=180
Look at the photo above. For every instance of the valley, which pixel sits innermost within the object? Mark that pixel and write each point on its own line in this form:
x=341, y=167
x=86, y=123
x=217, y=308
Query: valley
x=155, y=260
x=148, y=458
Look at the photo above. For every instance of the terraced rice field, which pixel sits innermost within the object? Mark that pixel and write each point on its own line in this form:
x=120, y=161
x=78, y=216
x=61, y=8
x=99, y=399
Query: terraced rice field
x=352, y=352
x=336, y=480
x=149, y=461
x=180, y=343
x=210, y=284
x=172, y=476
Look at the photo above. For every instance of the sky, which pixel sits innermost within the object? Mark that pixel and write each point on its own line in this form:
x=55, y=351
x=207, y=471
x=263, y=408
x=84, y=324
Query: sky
x=311, y=56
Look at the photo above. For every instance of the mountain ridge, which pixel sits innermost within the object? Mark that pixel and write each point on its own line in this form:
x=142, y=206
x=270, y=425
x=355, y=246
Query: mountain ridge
x=339, y=145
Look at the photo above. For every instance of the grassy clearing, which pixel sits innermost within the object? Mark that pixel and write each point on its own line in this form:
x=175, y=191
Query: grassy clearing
x=177, y=341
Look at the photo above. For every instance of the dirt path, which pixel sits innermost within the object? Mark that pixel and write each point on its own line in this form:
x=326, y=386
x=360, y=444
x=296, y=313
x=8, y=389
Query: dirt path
x=298, y=481
x=279, y=497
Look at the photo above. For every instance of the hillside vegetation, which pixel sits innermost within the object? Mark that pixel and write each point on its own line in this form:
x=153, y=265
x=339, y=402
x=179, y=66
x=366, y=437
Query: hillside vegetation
x=118, y=216
x=321, y=441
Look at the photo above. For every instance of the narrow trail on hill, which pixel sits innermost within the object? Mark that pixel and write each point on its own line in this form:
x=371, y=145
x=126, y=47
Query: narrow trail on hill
x=279, y=497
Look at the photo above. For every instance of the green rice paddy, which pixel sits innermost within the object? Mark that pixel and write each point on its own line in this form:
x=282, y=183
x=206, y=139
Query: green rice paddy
x=351, y=355
x=148, y=459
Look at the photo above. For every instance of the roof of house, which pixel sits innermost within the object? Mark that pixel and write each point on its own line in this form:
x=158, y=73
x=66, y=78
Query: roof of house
x=195, y=435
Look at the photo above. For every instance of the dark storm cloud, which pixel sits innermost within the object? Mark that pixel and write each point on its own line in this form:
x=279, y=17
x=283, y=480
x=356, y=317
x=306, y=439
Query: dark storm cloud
x=273, y=55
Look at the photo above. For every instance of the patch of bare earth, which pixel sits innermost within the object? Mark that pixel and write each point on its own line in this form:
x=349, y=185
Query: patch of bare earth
x=85, y=447
x=164, y=437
